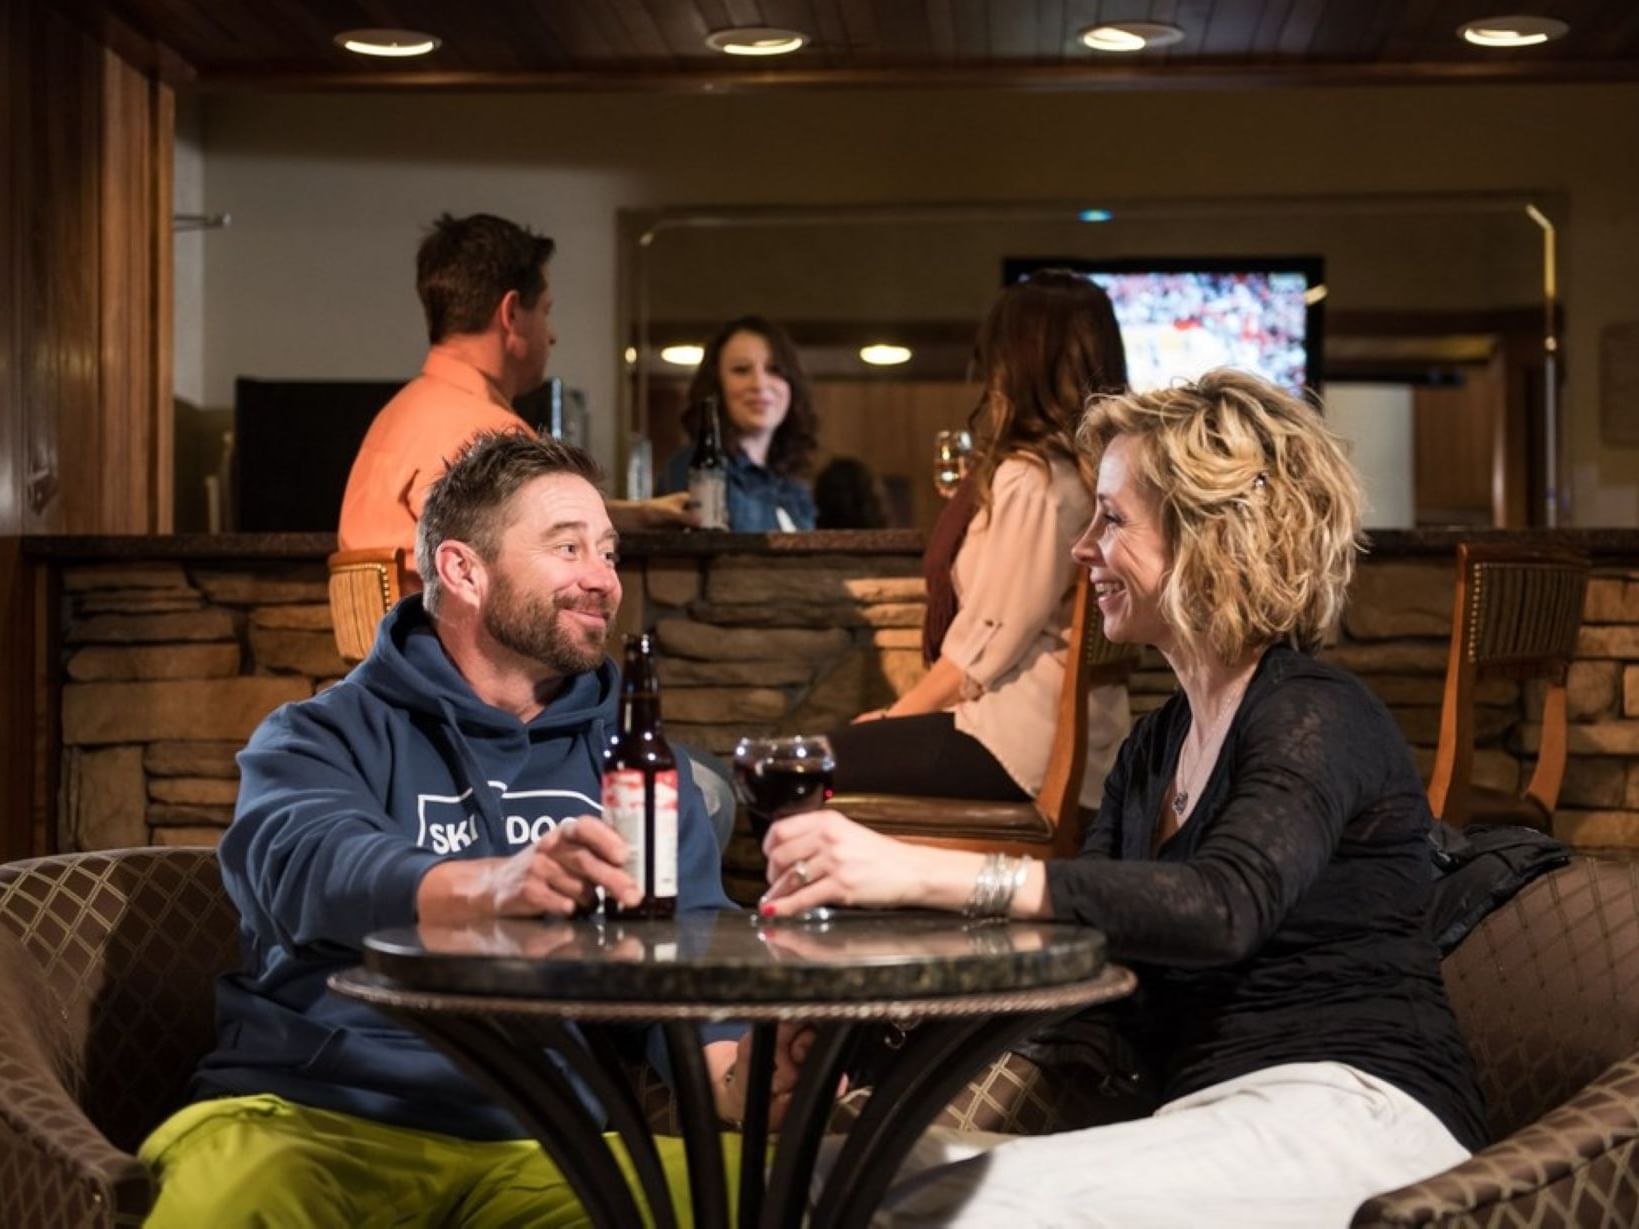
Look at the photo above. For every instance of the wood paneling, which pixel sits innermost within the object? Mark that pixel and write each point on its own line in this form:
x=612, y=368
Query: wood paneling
x=85, y=338
x=1454, y=433
x=660, y=43
x=890, y=426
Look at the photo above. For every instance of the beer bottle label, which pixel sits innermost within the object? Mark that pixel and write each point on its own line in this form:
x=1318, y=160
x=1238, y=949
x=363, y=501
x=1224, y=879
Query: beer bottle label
x=708, y=488
x=623, y=805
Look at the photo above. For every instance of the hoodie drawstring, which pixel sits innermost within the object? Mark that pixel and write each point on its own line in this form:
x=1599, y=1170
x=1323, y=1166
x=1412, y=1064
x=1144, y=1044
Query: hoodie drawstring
x=473, y=774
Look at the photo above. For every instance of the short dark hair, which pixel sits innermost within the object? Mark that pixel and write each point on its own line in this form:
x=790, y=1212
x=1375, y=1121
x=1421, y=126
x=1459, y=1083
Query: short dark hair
x=791, y=452
x=465, y=266
x=469, y=503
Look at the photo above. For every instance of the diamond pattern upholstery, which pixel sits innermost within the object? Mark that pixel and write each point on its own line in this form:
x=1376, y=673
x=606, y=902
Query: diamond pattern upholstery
x=107, y=968
x=1012, y=1096
x=108, y=961
x=1547, y=992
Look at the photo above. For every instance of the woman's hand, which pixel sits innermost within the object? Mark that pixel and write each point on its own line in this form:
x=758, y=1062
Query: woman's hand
x=823, y=857
x=875, y=714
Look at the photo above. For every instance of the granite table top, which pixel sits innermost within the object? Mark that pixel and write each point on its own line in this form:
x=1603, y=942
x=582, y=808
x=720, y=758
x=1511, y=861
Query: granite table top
x=733, y=957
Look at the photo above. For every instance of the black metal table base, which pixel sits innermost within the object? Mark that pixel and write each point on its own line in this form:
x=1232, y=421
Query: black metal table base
x=506, y=1056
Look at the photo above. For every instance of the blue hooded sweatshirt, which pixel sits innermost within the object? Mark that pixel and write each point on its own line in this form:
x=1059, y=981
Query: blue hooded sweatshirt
x=345, y=801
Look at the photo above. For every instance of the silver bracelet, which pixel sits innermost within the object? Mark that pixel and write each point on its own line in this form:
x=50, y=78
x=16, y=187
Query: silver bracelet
x=1021, y=868
x=999, y=879
x=984, y=885
x=994, y=887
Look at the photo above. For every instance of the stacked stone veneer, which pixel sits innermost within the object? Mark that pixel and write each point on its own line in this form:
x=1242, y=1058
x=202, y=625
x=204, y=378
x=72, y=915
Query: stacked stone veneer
x=168, y=667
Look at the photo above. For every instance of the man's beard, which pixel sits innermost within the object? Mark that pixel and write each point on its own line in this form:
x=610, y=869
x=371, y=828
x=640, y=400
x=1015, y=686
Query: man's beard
x=535, y=627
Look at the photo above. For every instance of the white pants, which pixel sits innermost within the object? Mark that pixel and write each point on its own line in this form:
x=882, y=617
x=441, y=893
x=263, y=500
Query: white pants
x=1300, y=1145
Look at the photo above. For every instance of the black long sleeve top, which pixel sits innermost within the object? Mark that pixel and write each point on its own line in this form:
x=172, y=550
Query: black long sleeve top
x=1284, y=921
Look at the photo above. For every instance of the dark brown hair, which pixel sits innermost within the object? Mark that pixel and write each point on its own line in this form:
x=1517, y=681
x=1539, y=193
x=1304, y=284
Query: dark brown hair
x=469, y=503
x=792, y=448
x=465, y=266
x=1049, y=343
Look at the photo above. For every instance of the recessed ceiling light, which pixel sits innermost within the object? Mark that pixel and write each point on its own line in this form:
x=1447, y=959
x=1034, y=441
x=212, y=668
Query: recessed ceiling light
x=387, y=42
x=885, y=354
x=756, y=40
x=683, y=355
x=1122, y=36
x=1512, y=31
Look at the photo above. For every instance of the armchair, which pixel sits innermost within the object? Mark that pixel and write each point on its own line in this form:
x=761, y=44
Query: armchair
x=108, y=964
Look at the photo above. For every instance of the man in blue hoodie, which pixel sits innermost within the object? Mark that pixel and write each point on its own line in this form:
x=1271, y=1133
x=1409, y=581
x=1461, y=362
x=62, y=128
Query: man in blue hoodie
x=438, y=782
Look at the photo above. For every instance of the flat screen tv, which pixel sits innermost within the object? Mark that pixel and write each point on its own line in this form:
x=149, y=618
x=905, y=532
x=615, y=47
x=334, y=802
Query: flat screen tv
x=294, y=443
x=1181, y=317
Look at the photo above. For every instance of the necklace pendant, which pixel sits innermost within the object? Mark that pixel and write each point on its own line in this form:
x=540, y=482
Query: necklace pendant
x=1180, y=801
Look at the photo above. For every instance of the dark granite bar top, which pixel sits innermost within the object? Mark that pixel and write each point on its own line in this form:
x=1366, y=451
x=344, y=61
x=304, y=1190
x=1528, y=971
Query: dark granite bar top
x=675, y=544
x=1609, y=546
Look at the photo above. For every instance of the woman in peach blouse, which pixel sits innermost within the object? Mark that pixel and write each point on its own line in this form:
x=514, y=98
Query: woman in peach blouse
x=1000, y=578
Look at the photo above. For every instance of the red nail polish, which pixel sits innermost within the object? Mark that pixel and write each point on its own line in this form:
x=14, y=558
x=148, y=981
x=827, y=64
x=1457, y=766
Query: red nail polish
x=766, y=910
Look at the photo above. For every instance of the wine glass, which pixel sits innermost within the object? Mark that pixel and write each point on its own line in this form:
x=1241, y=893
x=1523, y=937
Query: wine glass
x=779, y=776
x=951, y=450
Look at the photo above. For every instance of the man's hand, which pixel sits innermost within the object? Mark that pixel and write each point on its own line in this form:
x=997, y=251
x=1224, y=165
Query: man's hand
x=556, y=875
x=672, y=511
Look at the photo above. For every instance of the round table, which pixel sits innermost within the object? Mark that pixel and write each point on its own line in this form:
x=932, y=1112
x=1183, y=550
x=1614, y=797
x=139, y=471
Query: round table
x=496, y=996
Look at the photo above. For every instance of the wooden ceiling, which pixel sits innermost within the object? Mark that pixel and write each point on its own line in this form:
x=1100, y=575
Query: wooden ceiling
x=659, y=44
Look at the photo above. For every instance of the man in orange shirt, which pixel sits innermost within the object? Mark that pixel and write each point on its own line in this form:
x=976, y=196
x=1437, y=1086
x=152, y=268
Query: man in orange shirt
x=483, y=285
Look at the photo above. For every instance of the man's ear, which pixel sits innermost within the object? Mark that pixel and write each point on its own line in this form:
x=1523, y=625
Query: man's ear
x=461, y=573
x=507, y=312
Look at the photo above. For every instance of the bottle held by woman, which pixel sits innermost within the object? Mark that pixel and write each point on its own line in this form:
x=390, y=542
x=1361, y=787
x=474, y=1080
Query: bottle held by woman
x=640, y=786
x=767, y=426
x=708, y=470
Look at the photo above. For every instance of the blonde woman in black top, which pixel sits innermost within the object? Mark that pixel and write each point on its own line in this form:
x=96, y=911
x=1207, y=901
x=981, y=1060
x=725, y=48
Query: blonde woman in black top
x=1259, y=857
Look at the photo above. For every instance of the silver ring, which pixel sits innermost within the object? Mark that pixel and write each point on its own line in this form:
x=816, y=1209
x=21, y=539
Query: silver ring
x=800, y=870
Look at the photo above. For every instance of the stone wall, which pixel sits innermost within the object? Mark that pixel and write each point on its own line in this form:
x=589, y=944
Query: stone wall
x=166, y=671
x=168, y=667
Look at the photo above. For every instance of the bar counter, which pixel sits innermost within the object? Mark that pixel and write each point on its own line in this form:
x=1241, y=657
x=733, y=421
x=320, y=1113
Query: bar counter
x=155, y=657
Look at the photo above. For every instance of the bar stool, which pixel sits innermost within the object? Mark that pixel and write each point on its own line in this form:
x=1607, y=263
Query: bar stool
x=1049, y=826
x=364, y=585
x=1515, y=615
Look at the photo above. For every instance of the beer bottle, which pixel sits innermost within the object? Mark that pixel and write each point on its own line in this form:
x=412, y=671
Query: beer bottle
x=708, y=469
x=640, y=786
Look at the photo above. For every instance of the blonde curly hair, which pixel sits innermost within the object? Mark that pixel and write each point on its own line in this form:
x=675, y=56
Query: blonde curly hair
x=1260, y=507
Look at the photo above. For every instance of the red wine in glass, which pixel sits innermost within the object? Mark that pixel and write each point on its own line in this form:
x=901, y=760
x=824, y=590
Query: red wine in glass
x=776, y=777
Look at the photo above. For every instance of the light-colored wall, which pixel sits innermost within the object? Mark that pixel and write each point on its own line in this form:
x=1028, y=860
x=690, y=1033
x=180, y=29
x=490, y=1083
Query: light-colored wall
x=329, y=194
x=1376, y=420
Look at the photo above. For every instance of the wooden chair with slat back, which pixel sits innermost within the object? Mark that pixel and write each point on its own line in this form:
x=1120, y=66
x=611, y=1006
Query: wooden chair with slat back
x=1515, y=615
x=1050, y=825
x=364, y=585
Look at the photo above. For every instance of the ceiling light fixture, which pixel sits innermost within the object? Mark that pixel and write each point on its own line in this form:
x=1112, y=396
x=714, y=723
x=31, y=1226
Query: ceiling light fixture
x=688, y=355
x=756, y=40
x=1129, y=36
x=396, y=43
x=1512, y=31
x=885, y=354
